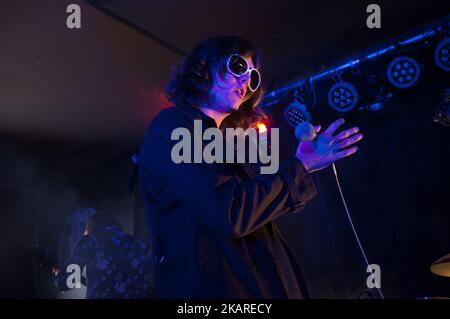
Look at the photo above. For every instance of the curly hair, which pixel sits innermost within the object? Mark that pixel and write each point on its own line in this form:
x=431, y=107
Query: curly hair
x=193, y=78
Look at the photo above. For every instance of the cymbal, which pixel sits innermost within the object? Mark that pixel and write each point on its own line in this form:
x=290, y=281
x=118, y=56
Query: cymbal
x=441, y=266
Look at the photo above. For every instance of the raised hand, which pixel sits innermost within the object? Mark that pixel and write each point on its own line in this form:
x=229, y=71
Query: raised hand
x=326, y=148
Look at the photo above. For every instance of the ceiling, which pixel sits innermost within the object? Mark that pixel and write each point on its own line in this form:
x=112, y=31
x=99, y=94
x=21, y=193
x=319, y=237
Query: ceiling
x=293, y=36
x=104, y=82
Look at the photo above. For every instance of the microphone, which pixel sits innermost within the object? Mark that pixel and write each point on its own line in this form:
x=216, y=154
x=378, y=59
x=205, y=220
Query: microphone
x=305, y=132
x=298, y=117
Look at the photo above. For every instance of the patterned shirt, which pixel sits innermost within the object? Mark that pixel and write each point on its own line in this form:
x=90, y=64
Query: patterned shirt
x=117, y=265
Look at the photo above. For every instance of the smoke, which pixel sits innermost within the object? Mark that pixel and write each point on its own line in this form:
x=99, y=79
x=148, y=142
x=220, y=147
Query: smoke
x=41, y=185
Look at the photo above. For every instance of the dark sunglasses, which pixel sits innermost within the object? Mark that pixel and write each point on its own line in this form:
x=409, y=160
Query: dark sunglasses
x=238, y=66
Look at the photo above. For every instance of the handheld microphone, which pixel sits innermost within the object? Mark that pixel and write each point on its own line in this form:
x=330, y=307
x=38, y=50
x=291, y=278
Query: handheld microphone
x=305, y=132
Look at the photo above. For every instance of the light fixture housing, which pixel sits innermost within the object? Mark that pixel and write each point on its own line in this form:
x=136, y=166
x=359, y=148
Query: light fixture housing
x=343, y=96
x=442, y=54
x=403, y=72
x=296, y=113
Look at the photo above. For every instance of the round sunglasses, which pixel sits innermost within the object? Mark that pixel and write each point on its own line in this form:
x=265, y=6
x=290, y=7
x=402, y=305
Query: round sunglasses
x=238, y=66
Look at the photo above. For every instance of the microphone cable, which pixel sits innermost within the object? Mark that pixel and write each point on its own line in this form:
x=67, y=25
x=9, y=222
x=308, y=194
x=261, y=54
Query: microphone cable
x=350, y=220
x=298, y=117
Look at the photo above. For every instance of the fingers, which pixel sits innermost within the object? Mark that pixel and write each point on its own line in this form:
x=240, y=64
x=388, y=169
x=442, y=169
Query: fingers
x=344, y=153
x=318, y=127
x=333, y=127
x=346, y=133
x=349, y=141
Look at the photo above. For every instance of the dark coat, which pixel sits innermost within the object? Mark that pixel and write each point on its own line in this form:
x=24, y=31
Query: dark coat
x=211, y=224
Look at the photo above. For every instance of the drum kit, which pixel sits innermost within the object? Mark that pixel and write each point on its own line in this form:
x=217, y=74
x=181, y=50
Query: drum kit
x=440, y=267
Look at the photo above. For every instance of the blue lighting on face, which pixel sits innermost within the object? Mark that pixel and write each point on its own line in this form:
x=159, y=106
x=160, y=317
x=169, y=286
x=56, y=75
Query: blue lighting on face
x=403, y=72
x=342, y=96
x=442, y=55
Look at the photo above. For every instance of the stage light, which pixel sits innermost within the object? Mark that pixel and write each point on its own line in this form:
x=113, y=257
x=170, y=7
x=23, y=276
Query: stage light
x=442, y=55
x=374, y=107
x=262, y=128
x=296, y=113
x=342, y=96
x=403, y=72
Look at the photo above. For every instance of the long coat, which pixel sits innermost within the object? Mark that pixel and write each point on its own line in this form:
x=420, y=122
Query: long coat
x=212, y=224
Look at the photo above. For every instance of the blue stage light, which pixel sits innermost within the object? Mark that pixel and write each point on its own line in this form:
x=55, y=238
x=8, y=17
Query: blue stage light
x=403, y=72
x=442, y=55
x=342, y=96
x=296, y=113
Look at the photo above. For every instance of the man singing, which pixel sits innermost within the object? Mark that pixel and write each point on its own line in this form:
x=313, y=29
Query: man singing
x=212, y=223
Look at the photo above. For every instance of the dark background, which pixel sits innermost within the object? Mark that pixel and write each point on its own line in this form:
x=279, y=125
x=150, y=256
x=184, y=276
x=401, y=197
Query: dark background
x=74, y=105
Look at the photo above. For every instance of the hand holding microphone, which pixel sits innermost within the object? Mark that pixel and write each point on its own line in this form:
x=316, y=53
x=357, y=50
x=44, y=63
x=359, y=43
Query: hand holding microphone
x=318, y=151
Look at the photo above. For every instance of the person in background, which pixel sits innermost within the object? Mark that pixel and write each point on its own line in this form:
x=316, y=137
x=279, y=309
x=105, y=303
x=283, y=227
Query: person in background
x=74, y=228
x=117, y=265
